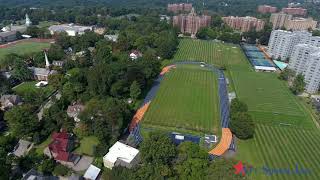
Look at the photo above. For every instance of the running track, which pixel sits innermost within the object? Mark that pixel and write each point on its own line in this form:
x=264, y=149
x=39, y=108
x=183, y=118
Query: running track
x=227, y=141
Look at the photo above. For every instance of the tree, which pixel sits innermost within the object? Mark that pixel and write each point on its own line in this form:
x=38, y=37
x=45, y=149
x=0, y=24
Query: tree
x=4, y=85
x=135, y=90
x=22, y=120
x=238, y=106
x=242, y=125
x=157, y=149
x=286, y=74
x=21, y=72
x=103, y=51
x=222, y=168
x=55, y=80
x=55, y=52
x=47, y=166
x=298, y=84
x=60, y=170
x=192, y=161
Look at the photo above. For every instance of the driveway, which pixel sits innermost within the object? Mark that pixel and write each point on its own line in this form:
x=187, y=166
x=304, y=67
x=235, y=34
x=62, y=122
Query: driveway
x=83, y=164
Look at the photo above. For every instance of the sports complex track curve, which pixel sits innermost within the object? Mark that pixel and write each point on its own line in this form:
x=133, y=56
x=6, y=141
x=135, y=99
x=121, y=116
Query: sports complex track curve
x=227, y=141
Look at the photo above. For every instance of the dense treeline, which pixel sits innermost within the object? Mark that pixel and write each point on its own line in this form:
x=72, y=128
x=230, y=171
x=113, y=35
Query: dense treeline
x=161, y=159
x=98, y=74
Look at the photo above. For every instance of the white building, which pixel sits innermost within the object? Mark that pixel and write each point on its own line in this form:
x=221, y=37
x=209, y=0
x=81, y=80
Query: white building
x=300, y=57
x=303, y=51
x=70, y=29
x=92, y=173
x=281, y=42
x=121, y=155
x=305, y=60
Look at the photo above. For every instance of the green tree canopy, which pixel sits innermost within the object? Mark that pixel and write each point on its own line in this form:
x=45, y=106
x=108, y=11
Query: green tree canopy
x=22, y=120
x=298, y=84
x=157, y=149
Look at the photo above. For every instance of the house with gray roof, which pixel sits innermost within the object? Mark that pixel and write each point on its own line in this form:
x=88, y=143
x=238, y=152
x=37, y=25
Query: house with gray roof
x=22, y=148
x=7, y=101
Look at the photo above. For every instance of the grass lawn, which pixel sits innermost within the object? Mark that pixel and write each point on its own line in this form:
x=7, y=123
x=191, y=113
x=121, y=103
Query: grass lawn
x=285, y=133
x=42, y=146
x=87, y=145
x=23, y=48
x=27, y=88
x=46, y=24
x=187, y=101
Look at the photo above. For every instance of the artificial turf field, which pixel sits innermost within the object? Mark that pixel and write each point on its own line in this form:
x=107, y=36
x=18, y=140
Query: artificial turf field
x=23, y=48
x=285, y=135
x=187, y=101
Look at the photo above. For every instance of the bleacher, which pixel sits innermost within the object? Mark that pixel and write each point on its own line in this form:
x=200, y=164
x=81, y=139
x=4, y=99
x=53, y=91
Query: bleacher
x=178, y=138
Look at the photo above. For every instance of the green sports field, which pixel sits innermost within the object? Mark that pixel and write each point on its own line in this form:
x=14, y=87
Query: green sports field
x=23, y=48
x=286, y=135
x=187, y=101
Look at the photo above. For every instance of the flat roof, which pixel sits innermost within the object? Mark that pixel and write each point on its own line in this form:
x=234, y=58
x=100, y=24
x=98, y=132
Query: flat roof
x=92, y=172
x=281, y=65
x=265, y=68
x=121, y=151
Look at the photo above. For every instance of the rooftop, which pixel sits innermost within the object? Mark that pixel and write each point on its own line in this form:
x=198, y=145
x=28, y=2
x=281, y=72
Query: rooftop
x=68, y=27
x=121, y=151
x=92, y=173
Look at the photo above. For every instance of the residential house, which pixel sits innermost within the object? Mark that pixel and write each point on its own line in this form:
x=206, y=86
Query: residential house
x=60, y=149
x=8, y=101
x=121, y=155
x=35, y=175
x=111, y=37
x=92, y=173
x=22, y=148
x=135, y=54
x=58, y=63
x=74, y=110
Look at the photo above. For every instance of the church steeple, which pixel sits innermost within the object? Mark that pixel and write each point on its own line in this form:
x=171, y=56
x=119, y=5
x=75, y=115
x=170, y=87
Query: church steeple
x=28, y=21
x=47, y=60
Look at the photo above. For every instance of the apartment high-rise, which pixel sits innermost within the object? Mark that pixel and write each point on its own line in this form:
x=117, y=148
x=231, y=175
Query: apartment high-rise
x=300, y=24
x=305, y=60
x=244, y=24
x=281, y=42
x=191, y=23
x=303, y=51
x=278, y=20
x=266, y=9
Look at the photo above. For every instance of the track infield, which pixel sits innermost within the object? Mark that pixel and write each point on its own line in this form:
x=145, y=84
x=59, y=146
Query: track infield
x=187, y=101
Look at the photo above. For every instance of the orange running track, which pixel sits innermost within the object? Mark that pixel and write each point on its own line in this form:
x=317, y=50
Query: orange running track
x=224, y=143
x=138, y=116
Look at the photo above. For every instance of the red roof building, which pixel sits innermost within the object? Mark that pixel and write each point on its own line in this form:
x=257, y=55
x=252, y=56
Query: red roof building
x=61, y=146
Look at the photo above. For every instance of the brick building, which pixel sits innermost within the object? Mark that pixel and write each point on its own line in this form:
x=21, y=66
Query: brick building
x=182, y=7
x=264, y=9
x=244, y=24
x=295, y=11
x=191, y=23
